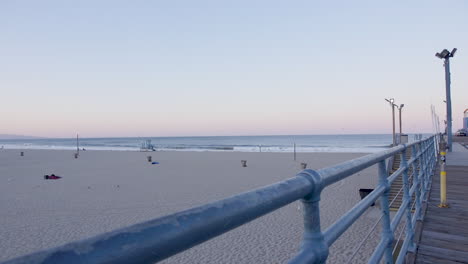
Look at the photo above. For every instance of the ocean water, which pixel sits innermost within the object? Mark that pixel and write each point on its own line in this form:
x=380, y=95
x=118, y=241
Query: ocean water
x=285, y=143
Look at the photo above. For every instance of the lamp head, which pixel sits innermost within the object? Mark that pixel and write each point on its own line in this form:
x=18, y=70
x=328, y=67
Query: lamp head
x=401, y=106
x=453, y=52
x=445, y=54
x=391, y=100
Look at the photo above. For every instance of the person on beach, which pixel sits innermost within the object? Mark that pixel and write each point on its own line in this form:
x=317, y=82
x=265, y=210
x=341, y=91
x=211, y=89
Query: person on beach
x=52, y=177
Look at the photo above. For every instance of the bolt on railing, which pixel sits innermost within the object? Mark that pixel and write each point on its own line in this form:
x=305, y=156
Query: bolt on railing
x=161, y=238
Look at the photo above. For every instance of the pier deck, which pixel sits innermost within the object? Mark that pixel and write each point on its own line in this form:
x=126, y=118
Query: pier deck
x=444, y=236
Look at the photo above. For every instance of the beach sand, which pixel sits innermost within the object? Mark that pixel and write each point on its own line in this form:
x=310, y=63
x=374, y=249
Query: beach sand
x=104, y=190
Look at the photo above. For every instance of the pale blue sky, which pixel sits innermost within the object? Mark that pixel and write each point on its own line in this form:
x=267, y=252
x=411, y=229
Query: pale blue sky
x=172, y=68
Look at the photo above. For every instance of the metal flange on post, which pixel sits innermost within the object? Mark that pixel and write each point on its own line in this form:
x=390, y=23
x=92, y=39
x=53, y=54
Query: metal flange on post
x=443, y=176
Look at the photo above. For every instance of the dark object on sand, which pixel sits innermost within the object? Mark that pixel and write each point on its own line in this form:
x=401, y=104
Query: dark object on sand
x=149, y=158
x=303, y=166
x=364, y=192
x=244, y=163
x=154, y=162
x=21, y=153
x=51, y=177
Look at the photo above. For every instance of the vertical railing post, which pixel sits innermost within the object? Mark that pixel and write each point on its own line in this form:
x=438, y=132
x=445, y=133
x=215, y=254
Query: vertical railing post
x=416, y=181
x=387, y=234
x=428, y=166
x=313, y=248
x=424, y=169
x=421, y=169
x=434, y=157
x=407, y=197
x=430, y=158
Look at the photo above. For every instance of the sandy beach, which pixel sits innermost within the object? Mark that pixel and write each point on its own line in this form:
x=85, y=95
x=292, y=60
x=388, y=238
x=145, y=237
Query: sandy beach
x=104, y=190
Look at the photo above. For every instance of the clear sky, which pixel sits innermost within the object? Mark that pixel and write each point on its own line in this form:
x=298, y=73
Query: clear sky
x=175, y=68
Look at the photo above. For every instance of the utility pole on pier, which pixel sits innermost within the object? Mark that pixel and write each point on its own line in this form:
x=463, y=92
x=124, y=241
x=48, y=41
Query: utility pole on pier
x=391, y=100
x=446, y=55
x=399, y=110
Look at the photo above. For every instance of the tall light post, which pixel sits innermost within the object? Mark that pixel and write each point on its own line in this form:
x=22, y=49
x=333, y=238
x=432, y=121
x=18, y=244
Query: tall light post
x=446, y=55
x=399, y=110
x=391, y=100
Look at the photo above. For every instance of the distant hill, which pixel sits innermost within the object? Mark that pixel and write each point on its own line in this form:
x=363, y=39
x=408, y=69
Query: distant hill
x=8, y=136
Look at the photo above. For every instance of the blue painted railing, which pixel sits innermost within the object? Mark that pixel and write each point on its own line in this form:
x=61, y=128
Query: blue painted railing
x=161, y=238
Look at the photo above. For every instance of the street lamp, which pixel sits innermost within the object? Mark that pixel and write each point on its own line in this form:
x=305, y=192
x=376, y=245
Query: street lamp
x=446, y=55
x=399, y=109
x=391, y=100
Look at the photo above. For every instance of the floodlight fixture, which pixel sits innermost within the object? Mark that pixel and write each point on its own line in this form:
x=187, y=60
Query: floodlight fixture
x=453, y=52
x=445, y=54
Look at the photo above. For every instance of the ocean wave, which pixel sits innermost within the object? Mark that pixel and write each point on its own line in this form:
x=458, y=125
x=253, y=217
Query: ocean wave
x=199, y=147
x=312, y=143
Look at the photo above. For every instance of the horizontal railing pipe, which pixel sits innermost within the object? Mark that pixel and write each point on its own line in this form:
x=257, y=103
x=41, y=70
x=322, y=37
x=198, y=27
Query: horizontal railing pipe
x=340, y=171
x=415, y=217
x=395, y=175
x=404, y=248
x=333, y=232
x=379, y=251
x=397, y=218
x=413, y=189
x=158, y=239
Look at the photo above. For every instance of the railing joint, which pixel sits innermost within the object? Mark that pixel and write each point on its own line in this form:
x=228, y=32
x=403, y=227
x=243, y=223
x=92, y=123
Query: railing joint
x=317, y=185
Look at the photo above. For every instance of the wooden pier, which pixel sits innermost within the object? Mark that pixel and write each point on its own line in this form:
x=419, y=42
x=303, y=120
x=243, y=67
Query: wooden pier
x=444, y=232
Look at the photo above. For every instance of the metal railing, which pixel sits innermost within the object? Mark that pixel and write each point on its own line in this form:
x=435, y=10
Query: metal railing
x=161, y=238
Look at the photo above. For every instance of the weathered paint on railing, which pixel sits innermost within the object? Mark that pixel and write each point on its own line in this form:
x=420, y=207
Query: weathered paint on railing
x=161, y=238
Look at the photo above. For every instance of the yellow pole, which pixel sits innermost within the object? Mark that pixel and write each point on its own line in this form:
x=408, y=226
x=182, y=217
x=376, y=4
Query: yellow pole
x=443, y=182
